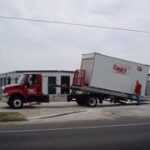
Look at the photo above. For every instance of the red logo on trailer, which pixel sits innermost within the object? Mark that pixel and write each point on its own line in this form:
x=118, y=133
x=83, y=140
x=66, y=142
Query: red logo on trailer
x=120, y=68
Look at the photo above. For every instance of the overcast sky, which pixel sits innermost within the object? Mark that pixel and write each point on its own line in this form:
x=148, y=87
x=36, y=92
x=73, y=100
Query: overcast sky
x=31, y=45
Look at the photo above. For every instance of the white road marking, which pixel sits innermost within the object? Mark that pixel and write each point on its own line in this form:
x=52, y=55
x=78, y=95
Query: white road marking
x=77, y=128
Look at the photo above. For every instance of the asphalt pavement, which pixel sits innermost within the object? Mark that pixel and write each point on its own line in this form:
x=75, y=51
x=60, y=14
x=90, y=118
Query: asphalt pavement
x=121, y=134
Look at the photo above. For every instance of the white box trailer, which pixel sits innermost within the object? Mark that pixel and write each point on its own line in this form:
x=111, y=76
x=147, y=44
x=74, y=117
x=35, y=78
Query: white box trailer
x=113, y=73
x=107, y=77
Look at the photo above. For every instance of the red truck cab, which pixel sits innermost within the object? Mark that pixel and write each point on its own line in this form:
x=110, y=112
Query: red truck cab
x=28, y=89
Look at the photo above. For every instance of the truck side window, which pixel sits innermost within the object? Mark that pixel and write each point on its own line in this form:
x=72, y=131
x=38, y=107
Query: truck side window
x=32, y=80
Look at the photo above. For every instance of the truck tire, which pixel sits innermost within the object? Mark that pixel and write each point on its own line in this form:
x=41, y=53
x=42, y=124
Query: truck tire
x=92, y=102
x=16, y=102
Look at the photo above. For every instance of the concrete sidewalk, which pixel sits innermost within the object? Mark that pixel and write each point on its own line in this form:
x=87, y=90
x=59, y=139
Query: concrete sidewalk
x=70, y=111
x=45, y=110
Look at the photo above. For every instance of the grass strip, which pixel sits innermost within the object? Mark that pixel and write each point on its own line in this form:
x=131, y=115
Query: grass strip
x=11, y=116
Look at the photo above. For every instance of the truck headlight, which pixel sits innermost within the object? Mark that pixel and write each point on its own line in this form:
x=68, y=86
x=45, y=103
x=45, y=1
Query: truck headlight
x=3, y=88
x=5, y=94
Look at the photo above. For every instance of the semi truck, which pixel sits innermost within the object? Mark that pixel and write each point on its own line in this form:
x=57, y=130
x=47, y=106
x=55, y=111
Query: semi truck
x=30, y=88
x=103, y=77
x=99, y=78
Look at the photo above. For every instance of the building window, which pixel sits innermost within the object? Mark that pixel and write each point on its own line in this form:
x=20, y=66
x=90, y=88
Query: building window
x=51, y=85
x=2, y=82
x=5, y=81
x=9, y=80
x=16, y=80
x=65, y=84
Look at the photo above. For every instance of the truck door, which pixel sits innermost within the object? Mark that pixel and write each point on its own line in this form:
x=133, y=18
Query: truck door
x=34, y=87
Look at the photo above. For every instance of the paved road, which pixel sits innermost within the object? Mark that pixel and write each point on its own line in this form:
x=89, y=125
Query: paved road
x=105, y=135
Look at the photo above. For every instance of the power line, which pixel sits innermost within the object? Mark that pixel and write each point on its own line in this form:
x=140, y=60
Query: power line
x=74, y=24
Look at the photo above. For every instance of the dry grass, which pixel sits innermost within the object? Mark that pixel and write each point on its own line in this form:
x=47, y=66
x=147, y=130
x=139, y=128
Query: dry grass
x=11, y=116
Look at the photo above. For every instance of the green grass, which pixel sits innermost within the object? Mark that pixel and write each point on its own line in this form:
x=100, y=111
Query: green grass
x=11, y=116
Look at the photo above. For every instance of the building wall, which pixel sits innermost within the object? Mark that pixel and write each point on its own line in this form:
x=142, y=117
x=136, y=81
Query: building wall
x=12, y=77
x=5, y=78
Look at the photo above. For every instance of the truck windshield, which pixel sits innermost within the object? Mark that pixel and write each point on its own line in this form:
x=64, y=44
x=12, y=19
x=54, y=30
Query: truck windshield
x=22, y=79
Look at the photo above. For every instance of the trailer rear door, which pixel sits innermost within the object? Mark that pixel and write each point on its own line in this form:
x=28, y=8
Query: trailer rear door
x=88, y=65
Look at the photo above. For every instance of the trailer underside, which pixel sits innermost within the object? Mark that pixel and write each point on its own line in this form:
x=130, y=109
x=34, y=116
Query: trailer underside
x=90, y=96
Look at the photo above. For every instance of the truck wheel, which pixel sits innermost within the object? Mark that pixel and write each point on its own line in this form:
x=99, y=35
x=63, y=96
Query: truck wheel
x=16, y=102
x=92, y=102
